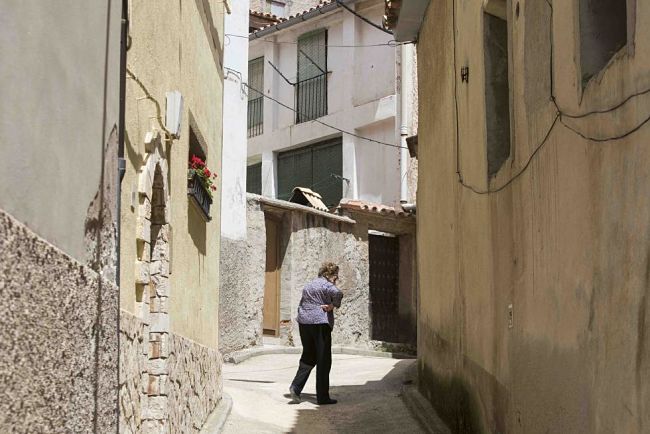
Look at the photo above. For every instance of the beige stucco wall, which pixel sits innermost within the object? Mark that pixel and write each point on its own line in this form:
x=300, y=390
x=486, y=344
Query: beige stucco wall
x=172, y=50
x=566, y=243
x=56, y=114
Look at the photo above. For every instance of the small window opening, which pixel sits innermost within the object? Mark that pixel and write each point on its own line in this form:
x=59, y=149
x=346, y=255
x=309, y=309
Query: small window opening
x=603, y=32
x=254, y=178
x=497, y=91
x=196, y=149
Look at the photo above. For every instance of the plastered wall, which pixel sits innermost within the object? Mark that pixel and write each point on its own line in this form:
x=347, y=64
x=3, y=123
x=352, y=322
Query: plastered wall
x=565, y=244
x=61, y=101
x=172, y=51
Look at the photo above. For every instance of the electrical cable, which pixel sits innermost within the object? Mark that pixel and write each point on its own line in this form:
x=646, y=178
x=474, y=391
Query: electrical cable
x=379, y=142
x=558, y=117
x=607, y=110
x=362, y=18
x=148, y=96
x=391, y=43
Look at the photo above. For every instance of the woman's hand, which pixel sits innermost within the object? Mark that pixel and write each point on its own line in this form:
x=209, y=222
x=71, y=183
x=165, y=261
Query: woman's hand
x=327, y=307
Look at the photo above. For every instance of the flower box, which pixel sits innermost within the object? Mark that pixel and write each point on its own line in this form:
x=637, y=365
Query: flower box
x=200, y=185
x=199, y=195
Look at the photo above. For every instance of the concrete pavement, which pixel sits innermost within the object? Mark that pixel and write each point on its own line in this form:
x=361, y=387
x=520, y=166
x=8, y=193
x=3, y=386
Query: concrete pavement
x=368, y=390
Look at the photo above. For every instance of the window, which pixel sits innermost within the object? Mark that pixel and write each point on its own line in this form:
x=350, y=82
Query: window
x=318, y=167
x=255, y=98
x=199, y=188
x=311, y=88
x=497, y=91
x=603, y=31
x=254, y=178
x=277, y=8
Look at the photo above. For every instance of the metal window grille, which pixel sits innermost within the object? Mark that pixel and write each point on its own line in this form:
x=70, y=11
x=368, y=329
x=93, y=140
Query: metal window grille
x=318, y=167
x=254, y=178
x=311, y=87
x=255, y=99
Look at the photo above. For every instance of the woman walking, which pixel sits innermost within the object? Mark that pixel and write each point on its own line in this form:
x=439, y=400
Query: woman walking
x=316, y=320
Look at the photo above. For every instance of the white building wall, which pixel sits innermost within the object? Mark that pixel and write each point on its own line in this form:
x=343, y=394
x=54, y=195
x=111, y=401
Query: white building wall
x=233, y=176
x=361, y=99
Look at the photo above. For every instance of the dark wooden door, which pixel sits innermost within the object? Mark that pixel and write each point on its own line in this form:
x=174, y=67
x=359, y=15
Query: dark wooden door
x=384, y=287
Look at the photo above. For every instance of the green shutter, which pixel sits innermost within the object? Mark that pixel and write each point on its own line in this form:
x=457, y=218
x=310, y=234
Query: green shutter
x=318, y=167
x=311, y=89
x=255, y=98
x=254, y=178
x=294, y=170
x=328, y=171
x=312, y=54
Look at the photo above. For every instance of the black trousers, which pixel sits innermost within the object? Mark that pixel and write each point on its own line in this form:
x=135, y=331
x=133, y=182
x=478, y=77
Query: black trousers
x=316, y=351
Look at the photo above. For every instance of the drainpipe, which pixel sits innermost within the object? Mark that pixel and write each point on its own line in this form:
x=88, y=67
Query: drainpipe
x=121, y=162
x=403, y=129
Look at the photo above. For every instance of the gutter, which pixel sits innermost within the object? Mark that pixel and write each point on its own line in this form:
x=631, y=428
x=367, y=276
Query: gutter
x=293, y=21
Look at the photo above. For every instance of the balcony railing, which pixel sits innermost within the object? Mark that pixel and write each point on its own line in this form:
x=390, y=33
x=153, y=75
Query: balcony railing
x=199, y=195
x=311, y=98
x=255, y=117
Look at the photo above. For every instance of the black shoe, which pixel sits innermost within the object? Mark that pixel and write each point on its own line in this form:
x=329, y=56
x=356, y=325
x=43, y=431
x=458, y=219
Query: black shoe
x=327, y=402
x=295, y=396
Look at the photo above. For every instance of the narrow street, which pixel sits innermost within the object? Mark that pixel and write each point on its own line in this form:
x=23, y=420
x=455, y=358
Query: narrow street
x=368, y=390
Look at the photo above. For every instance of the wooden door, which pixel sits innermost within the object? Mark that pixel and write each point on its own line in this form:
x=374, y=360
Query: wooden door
x=271, y=312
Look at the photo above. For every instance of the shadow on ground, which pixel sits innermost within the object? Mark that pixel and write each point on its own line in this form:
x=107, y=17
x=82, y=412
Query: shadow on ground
x=372, y=407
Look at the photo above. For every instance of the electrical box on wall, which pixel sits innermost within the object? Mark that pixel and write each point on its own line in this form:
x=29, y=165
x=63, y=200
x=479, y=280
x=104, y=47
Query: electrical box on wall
x=174, y=112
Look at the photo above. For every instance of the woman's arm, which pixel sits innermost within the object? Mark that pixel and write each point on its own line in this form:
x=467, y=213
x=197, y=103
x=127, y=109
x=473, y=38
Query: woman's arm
x=336, y=295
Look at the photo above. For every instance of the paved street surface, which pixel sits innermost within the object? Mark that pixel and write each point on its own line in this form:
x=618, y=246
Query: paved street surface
x=368, y=390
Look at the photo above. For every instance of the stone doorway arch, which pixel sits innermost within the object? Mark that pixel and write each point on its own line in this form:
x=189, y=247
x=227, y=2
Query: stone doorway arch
x=152, y=283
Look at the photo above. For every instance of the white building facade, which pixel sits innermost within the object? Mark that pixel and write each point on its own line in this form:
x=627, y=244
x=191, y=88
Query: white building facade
x=233, y=177
x=326, y=66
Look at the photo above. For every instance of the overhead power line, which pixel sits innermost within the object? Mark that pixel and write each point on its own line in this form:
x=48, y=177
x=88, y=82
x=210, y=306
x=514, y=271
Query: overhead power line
x=391, y=43
x=362, y=18
x=379, y=142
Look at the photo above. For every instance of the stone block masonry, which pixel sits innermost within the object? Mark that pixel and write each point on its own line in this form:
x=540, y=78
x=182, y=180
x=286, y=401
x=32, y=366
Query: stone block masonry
x=168, y=383
x=58, y=339
x=133, y=372
x=195, y=384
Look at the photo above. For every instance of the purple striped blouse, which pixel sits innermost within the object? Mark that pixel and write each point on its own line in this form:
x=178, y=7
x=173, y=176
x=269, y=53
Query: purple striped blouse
x=316, y=293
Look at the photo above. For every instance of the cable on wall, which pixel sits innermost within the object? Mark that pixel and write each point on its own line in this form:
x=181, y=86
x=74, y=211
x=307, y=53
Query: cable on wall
x=559, y=117
x=244, y=84
x=362, y=18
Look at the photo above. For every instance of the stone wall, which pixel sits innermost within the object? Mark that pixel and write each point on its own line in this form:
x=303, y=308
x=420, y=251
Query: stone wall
x=133, y=372
x=242, y=285
x=535, y=298
x=313, y=240
x=194, y=386
x=307, y=239
x=58, y=340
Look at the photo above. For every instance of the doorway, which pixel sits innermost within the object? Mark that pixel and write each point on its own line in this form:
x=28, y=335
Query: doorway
x=384, y=286
x=271, y=310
